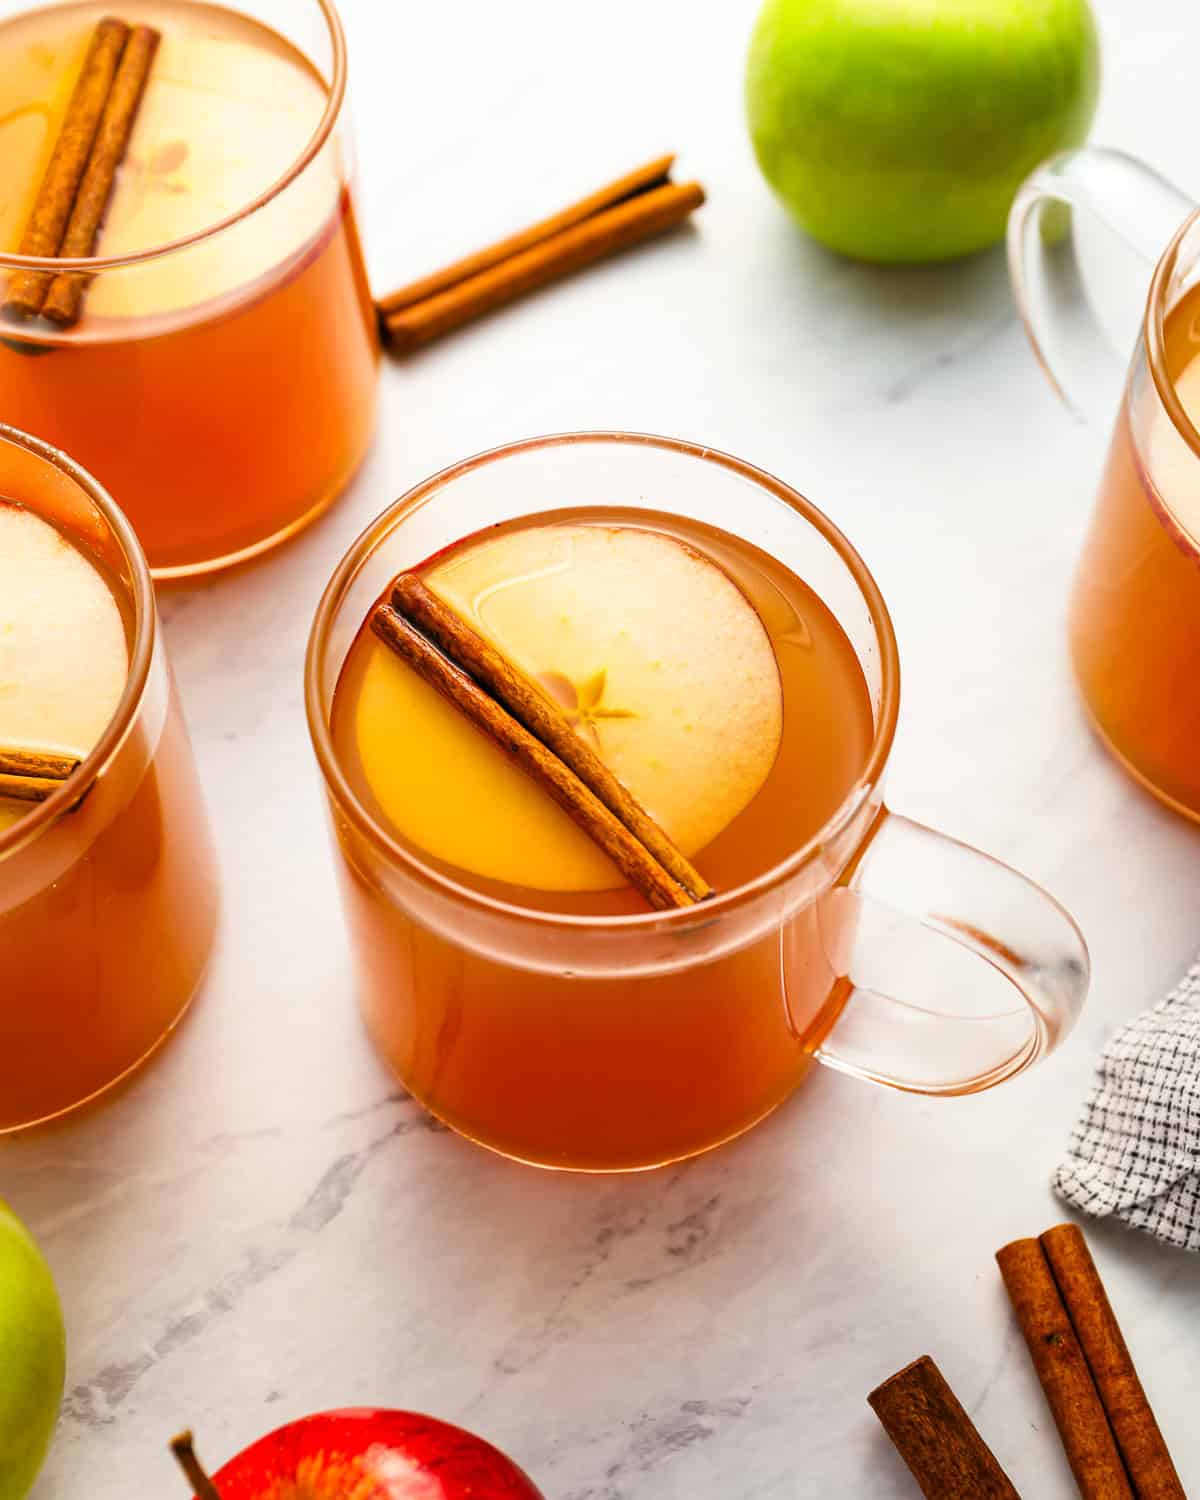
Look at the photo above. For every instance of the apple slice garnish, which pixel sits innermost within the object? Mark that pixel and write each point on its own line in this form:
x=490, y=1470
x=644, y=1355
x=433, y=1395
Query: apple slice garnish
x=363, y=1454
x=222, y=118
x=63, y=657
x=648, y=647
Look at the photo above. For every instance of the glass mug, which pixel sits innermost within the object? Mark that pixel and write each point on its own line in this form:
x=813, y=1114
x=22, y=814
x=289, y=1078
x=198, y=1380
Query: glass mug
x=224, y=383
x=108, y=888
x=616, y=1043
x=1135, y=607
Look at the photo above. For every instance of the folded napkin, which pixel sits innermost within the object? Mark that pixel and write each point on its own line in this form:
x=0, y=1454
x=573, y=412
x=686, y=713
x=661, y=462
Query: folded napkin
x=1135, y=1153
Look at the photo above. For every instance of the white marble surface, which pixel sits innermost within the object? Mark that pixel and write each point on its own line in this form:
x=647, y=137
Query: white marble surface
x=261, y=1226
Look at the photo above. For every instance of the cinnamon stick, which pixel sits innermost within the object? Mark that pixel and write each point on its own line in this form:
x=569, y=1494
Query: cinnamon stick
x=31, y=775
x=413, y=599
x=632, y=858
x=654, y=174
x=935, y=1437
x=409, y=324
x=64, y=298
x=56, y=195
x=1061, y=1367
x=1142, y=1447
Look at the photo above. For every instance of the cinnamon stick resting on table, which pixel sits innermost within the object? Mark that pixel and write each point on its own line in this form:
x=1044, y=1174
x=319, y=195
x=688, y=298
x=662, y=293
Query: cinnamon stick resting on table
x=1136, y=1431
x=1108, y=1431
x=633, y=208
x=935, y=1437
x=1063, y=1372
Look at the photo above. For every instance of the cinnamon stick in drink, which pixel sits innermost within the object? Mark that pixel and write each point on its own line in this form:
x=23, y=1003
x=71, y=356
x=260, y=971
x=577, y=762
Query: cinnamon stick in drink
x=632, y=858
x=31, y=775
x=65, y=295
x=935, y=1437
x=1151, y=1471
x=448, y=630
x=60, y=183
x=1063, y=1370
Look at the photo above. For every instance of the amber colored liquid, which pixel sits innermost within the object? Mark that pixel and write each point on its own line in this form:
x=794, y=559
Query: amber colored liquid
x=98, y=963
x=224, y=395
x=106, y=919
x=1135, y=615
x=610, y=1072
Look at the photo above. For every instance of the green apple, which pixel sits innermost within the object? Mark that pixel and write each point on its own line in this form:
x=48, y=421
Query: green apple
x=32, y=1357
x=899, y=130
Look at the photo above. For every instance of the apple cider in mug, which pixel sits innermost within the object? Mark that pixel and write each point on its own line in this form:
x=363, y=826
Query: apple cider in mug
x=726, y=698
x=107, y=879
x=1135, y=615
x=225, y=390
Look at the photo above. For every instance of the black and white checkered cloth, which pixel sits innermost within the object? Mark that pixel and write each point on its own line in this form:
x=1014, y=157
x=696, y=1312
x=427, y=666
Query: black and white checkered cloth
x=1135, y=1153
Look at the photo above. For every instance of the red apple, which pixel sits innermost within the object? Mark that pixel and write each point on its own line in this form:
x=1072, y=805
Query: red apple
x=363, y=1455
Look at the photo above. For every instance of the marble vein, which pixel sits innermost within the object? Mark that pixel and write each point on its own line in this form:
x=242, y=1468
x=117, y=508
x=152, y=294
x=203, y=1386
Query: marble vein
x=98, y=1401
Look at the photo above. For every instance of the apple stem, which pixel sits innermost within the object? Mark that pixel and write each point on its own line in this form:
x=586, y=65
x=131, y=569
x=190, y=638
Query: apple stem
x=185, y=1455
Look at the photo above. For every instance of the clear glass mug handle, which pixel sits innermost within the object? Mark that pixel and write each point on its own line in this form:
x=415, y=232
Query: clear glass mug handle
x=963, y=972
x=1081, y=295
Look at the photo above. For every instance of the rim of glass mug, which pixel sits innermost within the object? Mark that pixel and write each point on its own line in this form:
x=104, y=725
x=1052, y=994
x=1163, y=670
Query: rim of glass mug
x=413, y=499
x=145, y=627
x=324, y=128
x=1155, y=334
